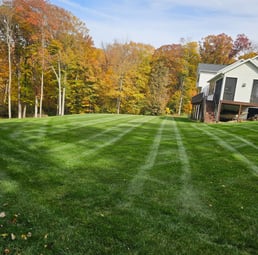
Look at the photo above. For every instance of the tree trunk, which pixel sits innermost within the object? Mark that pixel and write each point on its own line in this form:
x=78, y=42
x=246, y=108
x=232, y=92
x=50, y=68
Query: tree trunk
x=41, y=94
x=63, y=102
x=60, y=90
x=19, y=96
x=181, y=96
x=10, y=71
x=24, y=111
x=119, y=96
x=58, y=77
x=42, y=72
x=36, y=107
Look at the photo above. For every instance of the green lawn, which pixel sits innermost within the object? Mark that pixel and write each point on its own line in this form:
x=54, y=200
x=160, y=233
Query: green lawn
x=123, y=184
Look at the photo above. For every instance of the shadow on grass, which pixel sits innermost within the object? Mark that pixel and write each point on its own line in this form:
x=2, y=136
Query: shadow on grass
x=60, y=203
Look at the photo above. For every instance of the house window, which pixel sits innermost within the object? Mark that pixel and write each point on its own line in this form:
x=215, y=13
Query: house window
x=211, y=88
x=254, y=95
x=230, y=88
x=218, y=90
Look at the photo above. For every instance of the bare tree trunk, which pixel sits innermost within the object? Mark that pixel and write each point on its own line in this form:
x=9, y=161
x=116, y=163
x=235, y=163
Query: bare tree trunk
x=58, y=77
x=181, y=97
x=41, y=93
x=180, y=105
x=63, y=102
x=42, y=71
x=119, y=96
x=6, y=92
x=60, y=90
x=36, y=107
x=8, y=34
x=24, y=111
x=19, y=96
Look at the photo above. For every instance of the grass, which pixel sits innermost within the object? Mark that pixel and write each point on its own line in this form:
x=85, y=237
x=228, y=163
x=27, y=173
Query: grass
x=122, y=184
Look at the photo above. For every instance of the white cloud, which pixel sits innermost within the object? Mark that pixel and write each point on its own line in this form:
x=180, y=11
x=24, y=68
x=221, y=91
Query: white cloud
x=247, y=7
x=160, y=22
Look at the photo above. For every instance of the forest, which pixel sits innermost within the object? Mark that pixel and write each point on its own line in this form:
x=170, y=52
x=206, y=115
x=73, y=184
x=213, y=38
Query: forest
x=49, y=66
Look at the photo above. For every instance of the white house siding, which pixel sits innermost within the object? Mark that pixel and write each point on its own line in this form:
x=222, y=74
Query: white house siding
x=245, y=75
x=203, y=80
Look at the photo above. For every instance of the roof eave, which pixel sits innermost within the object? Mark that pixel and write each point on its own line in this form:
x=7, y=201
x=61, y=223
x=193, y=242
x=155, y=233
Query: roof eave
x=216, y=77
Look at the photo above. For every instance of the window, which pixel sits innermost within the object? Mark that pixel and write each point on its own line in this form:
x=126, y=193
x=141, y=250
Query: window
x=254, y=95
x=218, y=90
x=230, y=87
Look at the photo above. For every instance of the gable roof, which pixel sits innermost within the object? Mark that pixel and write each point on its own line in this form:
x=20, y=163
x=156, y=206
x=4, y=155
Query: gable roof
x=238, y=63
x=209, y=68
x=254, y=61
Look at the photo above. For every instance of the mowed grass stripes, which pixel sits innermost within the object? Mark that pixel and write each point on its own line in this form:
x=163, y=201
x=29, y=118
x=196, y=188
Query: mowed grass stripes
x=123, y=184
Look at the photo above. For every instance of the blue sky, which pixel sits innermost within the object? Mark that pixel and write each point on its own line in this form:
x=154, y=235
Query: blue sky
x=160, y=22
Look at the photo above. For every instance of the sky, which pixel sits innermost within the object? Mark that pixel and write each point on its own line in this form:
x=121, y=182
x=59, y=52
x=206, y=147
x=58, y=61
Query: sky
x=161, y=22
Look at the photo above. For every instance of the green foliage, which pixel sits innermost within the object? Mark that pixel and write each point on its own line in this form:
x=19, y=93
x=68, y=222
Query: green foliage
x=158, y=84
x=81, y=97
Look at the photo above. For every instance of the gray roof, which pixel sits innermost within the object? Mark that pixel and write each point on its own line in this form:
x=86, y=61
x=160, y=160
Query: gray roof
x=210, y=68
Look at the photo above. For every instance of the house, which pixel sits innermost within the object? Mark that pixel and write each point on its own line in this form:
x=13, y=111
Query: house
x=230, y=92
x=205, y=73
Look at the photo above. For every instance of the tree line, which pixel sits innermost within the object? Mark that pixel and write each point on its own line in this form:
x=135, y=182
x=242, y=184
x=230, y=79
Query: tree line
x=50, y=66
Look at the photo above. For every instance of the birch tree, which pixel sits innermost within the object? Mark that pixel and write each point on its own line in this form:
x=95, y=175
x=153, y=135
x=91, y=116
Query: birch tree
x=7, y=26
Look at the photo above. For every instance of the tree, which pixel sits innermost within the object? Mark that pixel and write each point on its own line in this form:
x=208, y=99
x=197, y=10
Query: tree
x=181, y=61
x=3, y=78
x=241, y=46
x=187, y=75
x=158, y=84
x=121, y=62
x=221, y=49
x=66, y=38
x=42, y=37
x=216, y=49
x=6, y=30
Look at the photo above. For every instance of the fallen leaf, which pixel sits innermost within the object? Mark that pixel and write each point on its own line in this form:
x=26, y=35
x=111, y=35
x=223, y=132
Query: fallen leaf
x=29, y=234
x=6, y=251
x=13, y=237
x=14, y=220
x=24, y=237
x=4, y=235
x=2, y=214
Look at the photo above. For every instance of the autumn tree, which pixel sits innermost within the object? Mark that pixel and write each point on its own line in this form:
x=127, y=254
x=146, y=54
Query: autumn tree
x=3, y=78
x=82, y=76
x=6, y=34
x=242, y=46
x=159, y=87
x=188, y=60
x=216, y=49
x=35, y=17
x=181, y=61
x=118, y=58
x=70, y=41
x=222, y=49
x=122, y=63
